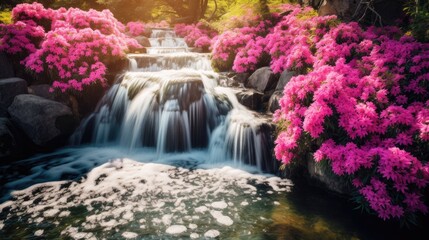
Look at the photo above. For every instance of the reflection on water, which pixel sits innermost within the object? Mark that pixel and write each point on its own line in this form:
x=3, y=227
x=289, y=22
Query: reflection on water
x=129, y=199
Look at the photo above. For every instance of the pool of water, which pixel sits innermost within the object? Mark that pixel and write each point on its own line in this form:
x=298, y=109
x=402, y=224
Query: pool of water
x=106, y=193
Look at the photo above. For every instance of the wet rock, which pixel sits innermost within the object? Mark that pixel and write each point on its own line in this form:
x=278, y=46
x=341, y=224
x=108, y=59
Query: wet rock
x=7, y=138
x=45, y=122
x=250, y=98
x=274, y=102
x=241, y=78
x=262, y=80
x=9, y=88
x=144, y=41
x=6, y=67
x=322, y=174
x=226, y=81
x=285, y=77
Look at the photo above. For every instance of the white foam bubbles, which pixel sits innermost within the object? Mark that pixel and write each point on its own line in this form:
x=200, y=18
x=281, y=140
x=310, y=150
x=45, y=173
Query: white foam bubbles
x=176, y=229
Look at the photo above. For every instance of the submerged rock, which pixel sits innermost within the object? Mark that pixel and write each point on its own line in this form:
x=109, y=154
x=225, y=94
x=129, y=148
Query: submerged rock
x=45, y=122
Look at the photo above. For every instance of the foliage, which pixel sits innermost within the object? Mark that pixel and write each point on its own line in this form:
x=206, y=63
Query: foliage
x=419, y=13
x=5, y=16
x=362, y=105
x=73, y=47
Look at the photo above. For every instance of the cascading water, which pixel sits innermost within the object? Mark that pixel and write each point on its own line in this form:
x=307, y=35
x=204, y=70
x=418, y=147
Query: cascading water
x=169, y=100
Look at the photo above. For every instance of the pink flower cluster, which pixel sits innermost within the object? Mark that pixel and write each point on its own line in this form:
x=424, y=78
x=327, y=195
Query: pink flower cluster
x=196, y=35
x=249, y=57
x=289, y=44
x=34, y=12
x=21, y=37
x=362, y=104
x=135, y=29
x=76, y=49
x=231, y=48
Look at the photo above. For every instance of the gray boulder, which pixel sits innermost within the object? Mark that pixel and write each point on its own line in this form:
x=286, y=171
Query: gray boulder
x=46, y=123
x=6, y=67
x=144, y=41
x=7, y=139
x=9, y=88
x=285, y=77
x=262, y=80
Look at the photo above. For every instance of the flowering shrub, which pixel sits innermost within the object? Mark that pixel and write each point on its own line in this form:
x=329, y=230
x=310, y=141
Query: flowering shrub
x=76, y=49
x=20, y=37
x=136, y=29
x=34, y=12
x=196, y=35
x=363, y=107
x=252, y=56
x=226, y=46
x=291, y=44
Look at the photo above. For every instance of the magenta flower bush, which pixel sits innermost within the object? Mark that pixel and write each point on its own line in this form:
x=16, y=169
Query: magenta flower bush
x=230, y=49
x=361, y=104
x=34, y=12
x=196, y=35
x=252, y=56
x=21, y=37
x=136, y=29
x=74, y=51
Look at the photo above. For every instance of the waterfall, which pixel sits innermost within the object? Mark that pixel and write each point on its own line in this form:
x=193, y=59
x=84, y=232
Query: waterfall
x=169, y=100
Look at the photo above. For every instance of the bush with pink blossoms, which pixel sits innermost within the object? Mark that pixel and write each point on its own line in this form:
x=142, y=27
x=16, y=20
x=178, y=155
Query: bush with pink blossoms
x=77, y=50
x=20, y=38
x=289, y=45
x=196, y=35
x=292, y=42
x=227, y=45
x=363, y=107
x=252, y=56
x=34, y=12
x=136, y=29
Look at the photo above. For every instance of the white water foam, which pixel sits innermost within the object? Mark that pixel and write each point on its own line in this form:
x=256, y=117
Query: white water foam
x=122, y=192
